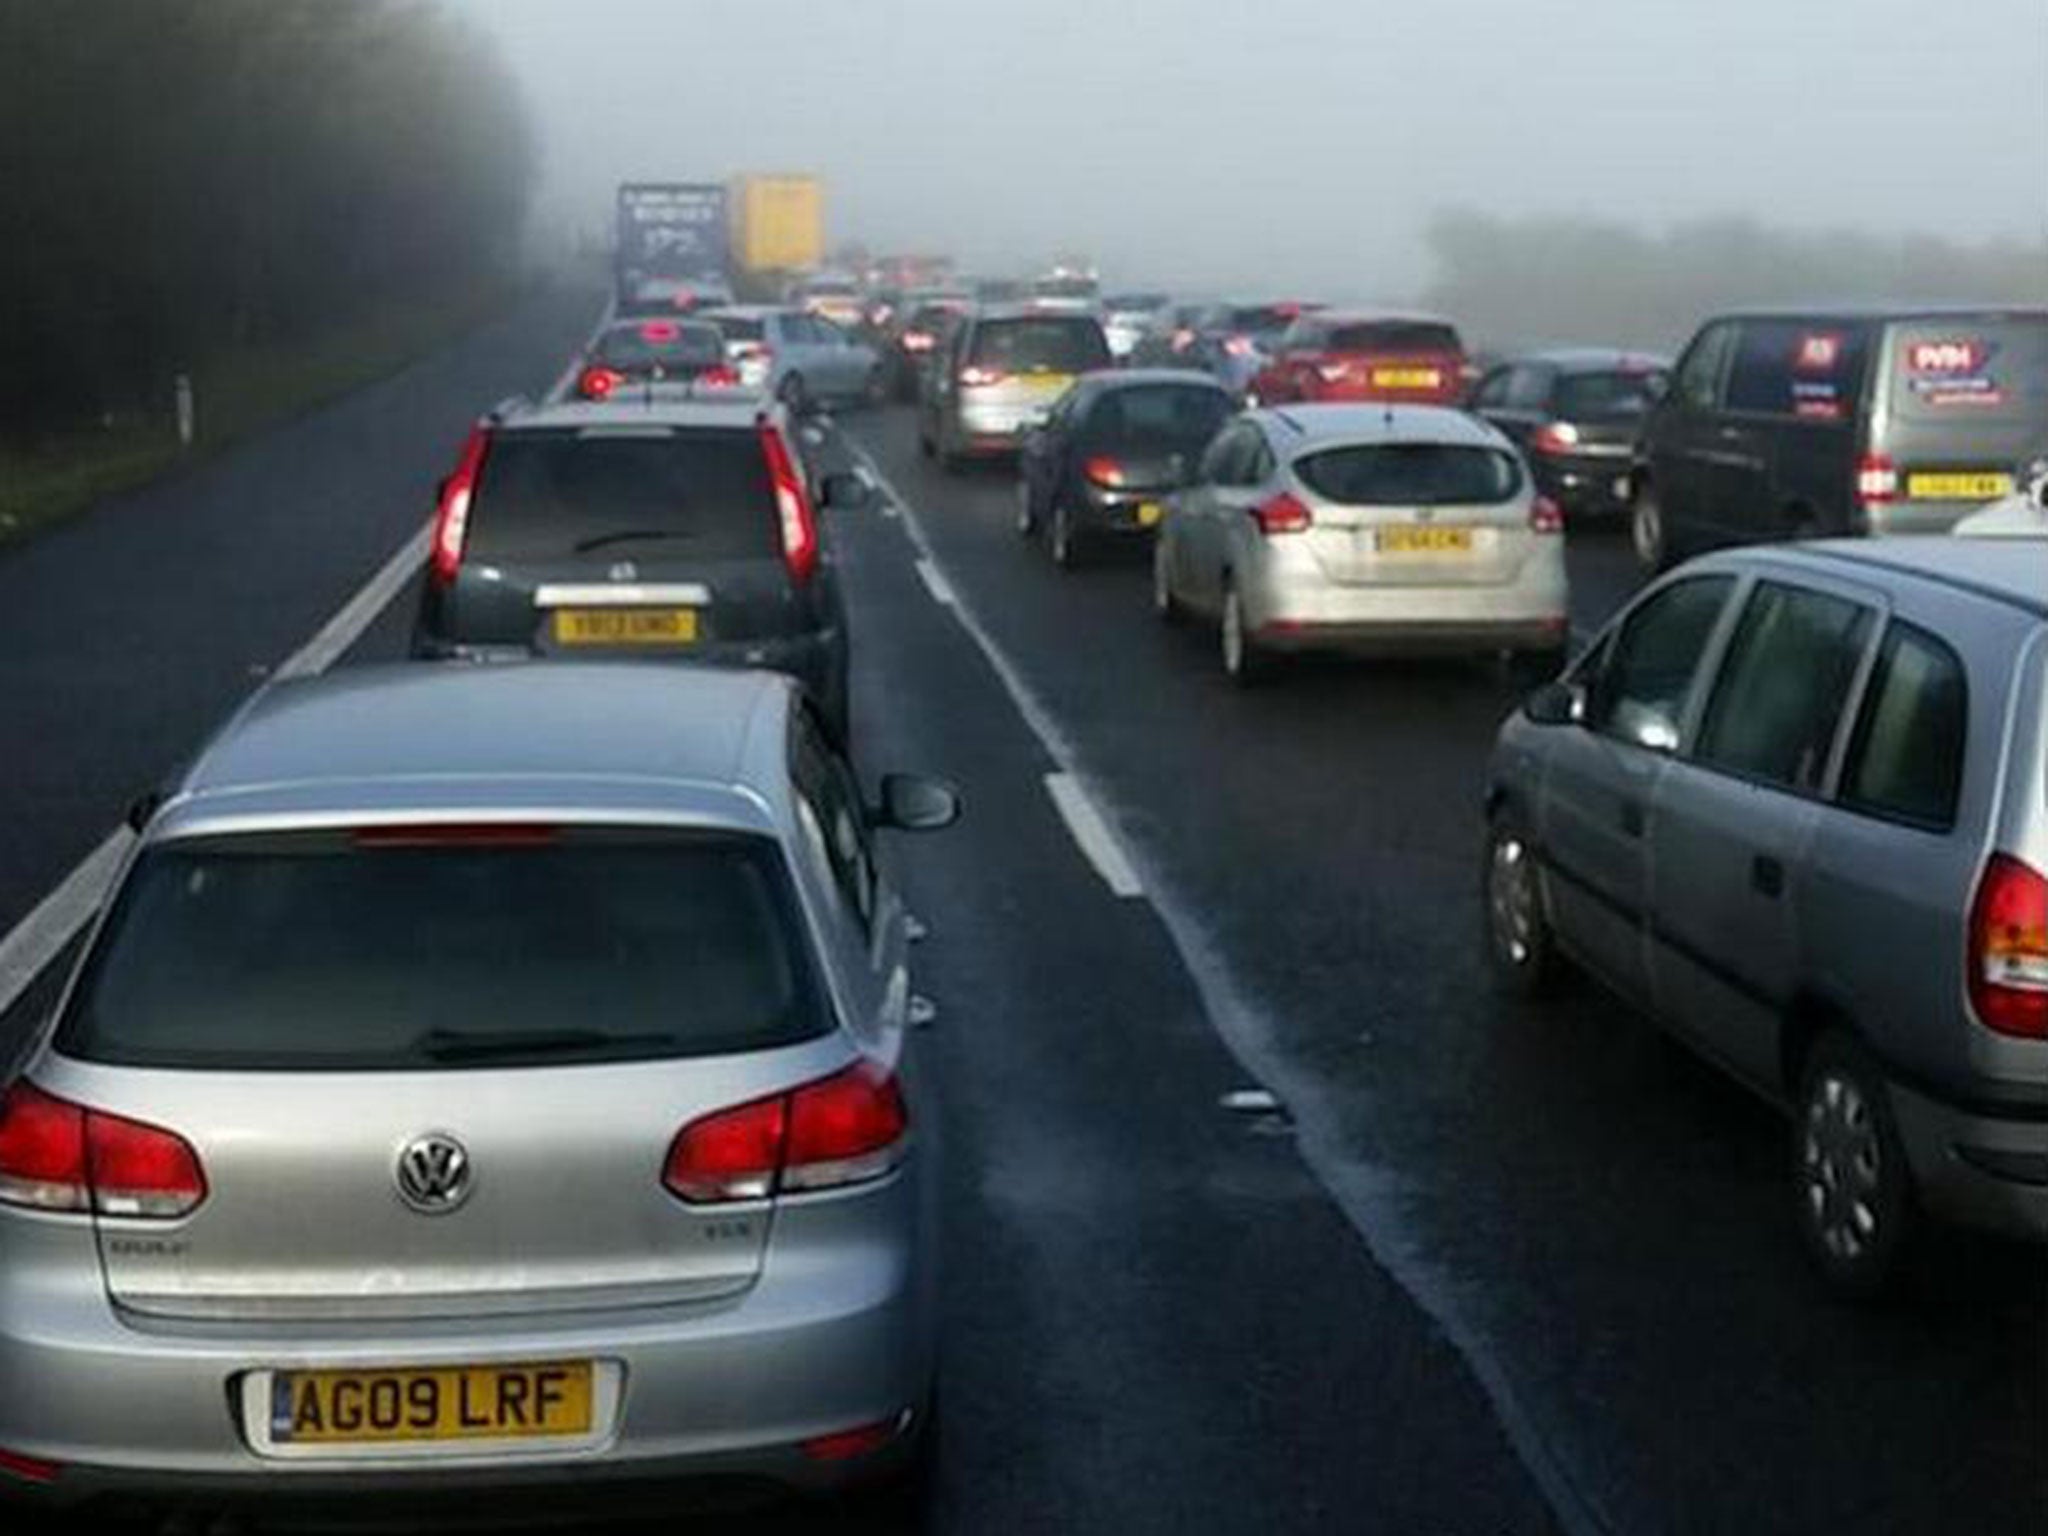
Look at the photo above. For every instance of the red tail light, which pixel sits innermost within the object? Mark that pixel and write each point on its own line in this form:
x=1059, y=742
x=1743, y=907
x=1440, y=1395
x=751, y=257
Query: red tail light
x=1238, y=346
x=56, y=1156
x=720, y=377
x=792, y=505
x=1104, y=471
x=1877, y=479
x=974, y=377
x=2008, y=961
x=451, y=520
x=658, y=331
x=1283, y=514
x=844, y=1129
x=1333, y=372
x=1545, y=516
x=597, y=383
x=917, y=341
x=1555, y=437
x=30, y=1469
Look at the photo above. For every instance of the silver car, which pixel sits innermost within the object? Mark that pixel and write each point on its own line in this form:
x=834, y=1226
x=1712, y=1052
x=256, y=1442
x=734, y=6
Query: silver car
x=802, y=359
x=480, y=1074
x=1794, y=802
x=998, y=377
x=1364, y=528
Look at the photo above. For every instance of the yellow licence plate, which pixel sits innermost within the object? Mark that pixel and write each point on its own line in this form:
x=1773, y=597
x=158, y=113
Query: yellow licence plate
x=1406, y=378
x=483, y=1402
x=626, y=626
x=1413, y=539
x=1149, y=513
x=1958, y=487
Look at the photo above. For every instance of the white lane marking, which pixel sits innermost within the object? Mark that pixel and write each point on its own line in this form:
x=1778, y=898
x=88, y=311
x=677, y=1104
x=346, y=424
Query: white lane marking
x=1375, y=1200
x=1097, y=843
x=38, y=938
x=935, y=583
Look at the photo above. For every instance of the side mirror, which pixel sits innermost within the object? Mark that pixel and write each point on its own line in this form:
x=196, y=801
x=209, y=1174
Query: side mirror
x=845, y=492
x=911, y=802
x=1558, y=703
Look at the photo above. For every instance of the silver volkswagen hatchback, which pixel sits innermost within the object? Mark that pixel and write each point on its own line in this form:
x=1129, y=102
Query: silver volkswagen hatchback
x=479, y=1073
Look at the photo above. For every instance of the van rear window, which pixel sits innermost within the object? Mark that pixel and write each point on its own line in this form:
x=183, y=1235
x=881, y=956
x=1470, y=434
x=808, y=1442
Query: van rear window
x=1972, y=368
x=335, y=951
x=1045, y=345
x=697, y=494
x=1411, y=475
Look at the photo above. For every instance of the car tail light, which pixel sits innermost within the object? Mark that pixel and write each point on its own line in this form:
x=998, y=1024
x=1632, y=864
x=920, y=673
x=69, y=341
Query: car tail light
x=1555, y=437
x=29, y=1469
x=1333, y=373
x=1284, y=513
x=2009, y=949
x=1877, y=479
x=597, y=383
x=719, y=377
x=844, y=1129
x=792, y=505
x=917, y=341
x=659, y=331
x=852, y=1444
x=1183, y=339
x=974, y=377
x=56, y=1156
x=1104, y=471
x=451, y=518
x=1545, y=516
x=1238, y=346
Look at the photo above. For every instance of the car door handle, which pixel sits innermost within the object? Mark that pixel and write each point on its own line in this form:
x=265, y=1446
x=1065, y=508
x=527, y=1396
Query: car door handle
x=1631, y=818
x=1767, y=876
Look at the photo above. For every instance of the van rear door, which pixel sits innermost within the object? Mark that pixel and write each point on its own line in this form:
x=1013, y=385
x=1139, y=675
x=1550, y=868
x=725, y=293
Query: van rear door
x=1963, y=401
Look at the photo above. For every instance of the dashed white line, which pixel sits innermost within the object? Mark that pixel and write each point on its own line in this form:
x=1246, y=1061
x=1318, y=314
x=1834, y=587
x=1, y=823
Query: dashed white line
x=935, y=583
x=1091, y=833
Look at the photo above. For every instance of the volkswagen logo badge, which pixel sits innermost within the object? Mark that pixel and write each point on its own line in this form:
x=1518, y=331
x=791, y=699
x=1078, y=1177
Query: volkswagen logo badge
x=433, y=1173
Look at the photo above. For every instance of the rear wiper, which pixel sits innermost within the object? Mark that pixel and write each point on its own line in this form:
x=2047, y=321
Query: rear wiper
x=628, y=536
x=487, y=1045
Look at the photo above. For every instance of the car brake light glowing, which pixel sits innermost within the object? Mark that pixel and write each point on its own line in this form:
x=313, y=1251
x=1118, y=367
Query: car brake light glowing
x=2008, y=961
x=719, y=377
x=1545, y=516
x=792, y=505
x=917, y=341
x=57, y=1156
x=597, y=382
x=1238, y=346
x=451, y=518
x=845, y=1129
x=975, y=376
x=658, y=331
x=1555, y=437
x=1333, y=373
x=1877, y=479
x=1104, y=471
x=1284, y=513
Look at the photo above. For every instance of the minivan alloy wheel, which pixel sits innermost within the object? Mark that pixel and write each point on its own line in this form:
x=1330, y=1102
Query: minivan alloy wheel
x=1063, y=544
x=1240, y=659
x=1511, y=899
x=1854, y=1191
x=1646, y=530
x=1164, y=604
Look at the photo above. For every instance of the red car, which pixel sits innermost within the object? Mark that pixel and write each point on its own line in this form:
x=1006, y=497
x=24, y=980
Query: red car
x=1409, y=359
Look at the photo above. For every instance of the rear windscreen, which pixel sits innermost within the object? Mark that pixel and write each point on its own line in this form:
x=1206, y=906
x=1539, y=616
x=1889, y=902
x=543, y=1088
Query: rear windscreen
x=737, y=327
x=1174, y=414
x=1620, y=392
x=1971, y=367
x=1047, y=345
x=1411, y=475
x=1395, y=336
x=694, y=494
x=659, y=344
x=314, y=952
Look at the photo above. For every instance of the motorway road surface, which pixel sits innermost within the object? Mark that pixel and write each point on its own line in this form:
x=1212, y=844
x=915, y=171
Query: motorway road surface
x=1501, y=1268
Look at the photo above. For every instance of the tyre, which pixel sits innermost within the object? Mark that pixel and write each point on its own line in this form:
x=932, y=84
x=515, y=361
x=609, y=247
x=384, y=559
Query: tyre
x=1647, y=532
x=1243, y=663
x=1853, y=1189
x=1165, y=606
x=1521, y=951
x=1066, y=542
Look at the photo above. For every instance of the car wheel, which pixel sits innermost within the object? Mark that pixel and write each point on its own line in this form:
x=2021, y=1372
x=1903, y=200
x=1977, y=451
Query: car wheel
x=1647, y=532
x=1027, y=520
x=1242, y=663
x=1065, y=539
x=1856, y=1207
x=1519, y=946
x=1165, y=606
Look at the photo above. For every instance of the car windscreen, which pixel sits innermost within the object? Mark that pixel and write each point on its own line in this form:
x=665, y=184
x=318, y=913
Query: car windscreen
x=1394, y=336
x=661, y=345
x=1411, y=475
x=1175, y=415
x=391, y=949
x=738, y=327
x=693, y=493
x=1608, y=394
x=1971, y=368
x=1047, y=345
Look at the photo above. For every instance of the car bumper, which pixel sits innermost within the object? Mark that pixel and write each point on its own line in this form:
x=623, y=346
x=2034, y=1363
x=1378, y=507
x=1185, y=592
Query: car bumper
x=1289, y=613
x=1597, y=487
x=999, y=426
x=1981, y=1170
x=1124, y=513
x=834, y=1336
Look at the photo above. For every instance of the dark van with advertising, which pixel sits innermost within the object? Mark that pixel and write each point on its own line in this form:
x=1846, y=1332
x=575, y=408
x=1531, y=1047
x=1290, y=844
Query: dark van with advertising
x=1792, y=424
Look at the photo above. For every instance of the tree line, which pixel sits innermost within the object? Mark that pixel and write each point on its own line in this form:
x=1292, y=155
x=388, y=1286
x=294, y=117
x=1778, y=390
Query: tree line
x=182, y=177
x=1525, y=281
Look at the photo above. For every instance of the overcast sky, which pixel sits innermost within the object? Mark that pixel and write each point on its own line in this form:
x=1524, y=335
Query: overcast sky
x=1301, y=142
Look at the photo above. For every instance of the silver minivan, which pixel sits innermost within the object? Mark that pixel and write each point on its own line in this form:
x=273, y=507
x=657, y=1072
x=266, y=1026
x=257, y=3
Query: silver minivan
x=1794, y=802
x=479, y=1075
x=1002, y=370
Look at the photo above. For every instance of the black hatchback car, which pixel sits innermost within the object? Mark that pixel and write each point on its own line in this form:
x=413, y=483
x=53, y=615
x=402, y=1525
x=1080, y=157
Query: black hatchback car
x=1113, y=449
x=657, y=527
x=1575, y=414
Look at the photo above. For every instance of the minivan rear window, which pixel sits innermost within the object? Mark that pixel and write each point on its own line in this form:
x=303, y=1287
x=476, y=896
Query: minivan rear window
x=662, y=344
x=1044, y=345
x=1174, y=414
x=1972, y=368
x=696, y=493
x=1620, y=392
x=1411, y=475
x=335, y=951
x=1395, y=336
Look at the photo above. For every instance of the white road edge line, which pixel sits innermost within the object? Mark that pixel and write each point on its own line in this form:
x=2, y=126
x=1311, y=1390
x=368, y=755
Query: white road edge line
x=41, y=936
x=935, y=583
x=1092, y=834
x=1372, y=1199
